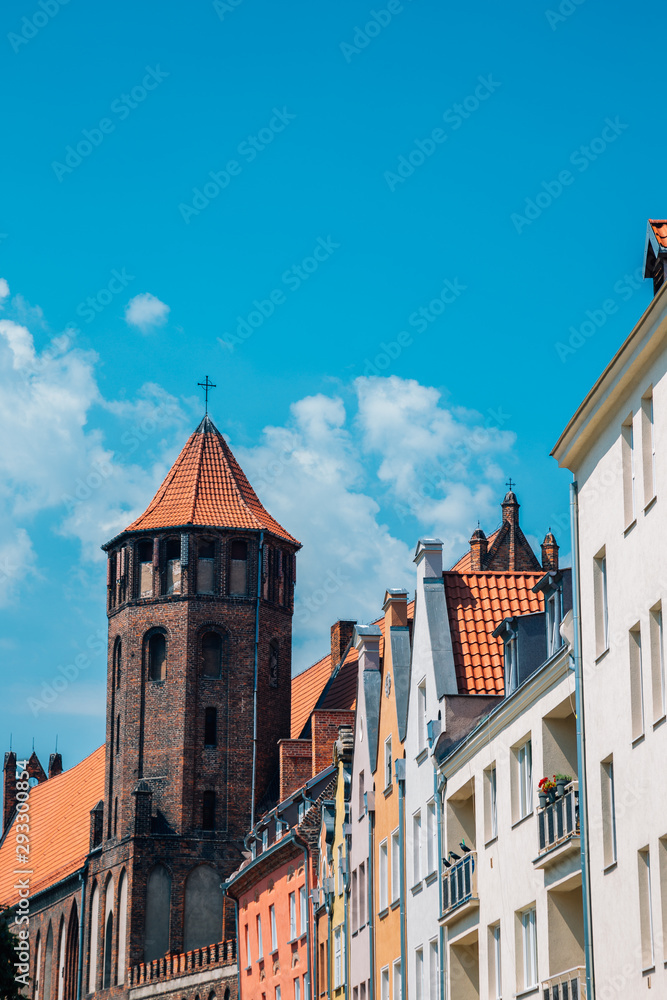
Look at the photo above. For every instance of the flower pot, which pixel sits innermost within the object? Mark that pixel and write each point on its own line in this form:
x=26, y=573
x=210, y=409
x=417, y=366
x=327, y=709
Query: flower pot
x=543, y=799
x=560, y=787
x=551, y=795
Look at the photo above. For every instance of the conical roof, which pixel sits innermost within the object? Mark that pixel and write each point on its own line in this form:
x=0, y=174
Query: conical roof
x=207, y=486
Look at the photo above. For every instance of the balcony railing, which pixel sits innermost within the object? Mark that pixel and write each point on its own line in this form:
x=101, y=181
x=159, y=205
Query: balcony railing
x=173, y=965
x=570, y=985
x=459, y=883
x=559, y=820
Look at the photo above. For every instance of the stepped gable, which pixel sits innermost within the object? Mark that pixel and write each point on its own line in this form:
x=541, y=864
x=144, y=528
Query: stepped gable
x=206, y=486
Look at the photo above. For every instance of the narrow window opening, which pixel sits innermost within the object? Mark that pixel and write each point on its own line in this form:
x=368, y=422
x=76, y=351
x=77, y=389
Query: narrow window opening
x=145, y=558
x=211, y=650
x=273, y=663
x=238, y=570
x=601, y=610
x=108, y=952
x=211, y=727
x=173, y=566
x=205, y=567
x=208, y=811
x=157, y=657
x=117, y=734
x=628, y=453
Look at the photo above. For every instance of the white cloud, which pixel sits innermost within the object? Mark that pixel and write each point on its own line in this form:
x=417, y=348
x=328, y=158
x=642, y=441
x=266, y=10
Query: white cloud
x=146, y=311
x=4, y=290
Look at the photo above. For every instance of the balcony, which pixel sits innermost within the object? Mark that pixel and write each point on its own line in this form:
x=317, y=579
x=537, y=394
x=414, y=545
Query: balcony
x=459, y=887
x=569, y=985
x=558, y=828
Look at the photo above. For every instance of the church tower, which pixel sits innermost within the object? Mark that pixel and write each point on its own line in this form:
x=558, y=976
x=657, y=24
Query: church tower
x=200, y=602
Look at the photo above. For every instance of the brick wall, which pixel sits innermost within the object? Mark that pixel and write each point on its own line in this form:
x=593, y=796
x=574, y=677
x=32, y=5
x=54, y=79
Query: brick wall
x=296, y=765
x=324, y=733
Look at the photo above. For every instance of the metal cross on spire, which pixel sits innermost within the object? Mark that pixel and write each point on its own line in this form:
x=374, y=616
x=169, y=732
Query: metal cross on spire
x=510, y=483
x=206, y=385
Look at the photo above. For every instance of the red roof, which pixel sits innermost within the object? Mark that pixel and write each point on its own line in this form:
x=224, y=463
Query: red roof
x=59, y=811
x=207, y=486
x=306, y=689
x=659, y=227
x=476, y=604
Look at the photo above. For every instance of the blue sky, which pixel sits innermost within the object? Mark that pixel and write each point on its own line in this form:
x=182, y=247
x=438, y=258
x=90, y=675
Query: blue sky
x=379, y=230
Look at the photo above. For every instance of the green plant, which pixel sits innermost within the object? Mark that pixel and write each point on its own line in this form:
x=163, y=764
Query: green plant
x=562, y=777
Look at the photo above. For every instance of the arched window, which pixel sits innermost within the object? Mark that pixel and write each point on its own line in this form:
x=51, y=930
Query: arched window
x=92, y=939
x=118, y=734
x=38, y=967
x=210, y=727
x=117, y=662
x=205, y=567
x=208, y=811
x=115, y=817
x=203, y=908
x=111, y=579
x=172, y=577
x=72, y=955
x=122, y=928
x=211, y=654
x=273, y=663
x=62, y=944
x=238, y=567
x=145, y=572
x=157, y=656
x=48, y=964
x=158, y=905
x=108, y=952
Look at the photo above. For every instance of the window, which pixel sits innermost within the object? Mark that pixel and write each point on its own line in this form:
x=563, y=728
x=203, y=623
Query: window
x=355, y=901
x=145, y=560
x=118, y=660
x=528, y=949
x=554, y=615
x=384, y=984
x=395, y=866
x=491, y=803
x=260, y=947
x=421, y=715
x=361, y=793
x=648, y=447
x=362, y=895
x=208, y=811
x=628, y=459
x=306, y=987
x=339, y=869
x=277, y=993
x=211, y=654
x=511, y=664
x=118, y=734
x=525, y=779
x=108, y=953
x=416, y=847
x=301, y=812
x=645, y=907
x=297, y=989
x=157, y=656
x=397, y=973
x=433, y=969
x=248, y=957
x=265, y=838
x=211, y=727
x=636, y=683
x=495, y=973
x=172, y=578
x=338, y=957
x=382, y=867
x=387, y=762
x=303, y=910
x=431, y=838
x=601, y=610
x=238, y=567
x=608, y=811
x=292, y=915
x=273, y=663
x=657, y=663
x=274, y=929
x=419, y=974
x=205, y=567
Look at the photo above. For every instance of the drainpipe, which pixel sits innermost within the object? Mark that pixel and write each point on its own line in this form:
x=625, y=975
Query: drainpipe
x=399, y=767
x=370, y=814
x=79, y=971
x=581, y=743
x=311, y=977
x=439, y=792
x=260, y=558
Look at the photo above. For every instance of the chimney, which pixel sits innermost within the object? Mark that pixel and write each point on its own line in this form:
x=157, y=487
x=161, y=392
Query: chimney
x=55, y=764
x=655, y=253
x=367, y=641
x=344, y=745
x=35, y=769
x=96, y=817
x=395, y=608
x=324, y=724
x=479, y=546
x=428, y=558
x=549, y=553
x=9, y=789
x=341, y=634
x=296, y=765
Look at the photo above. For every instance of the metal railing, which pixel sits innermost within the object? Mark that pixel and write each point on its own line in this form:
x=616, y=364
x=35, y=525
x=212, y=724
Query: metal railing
x=569, y=985
x=559, y=820
x=459, y=883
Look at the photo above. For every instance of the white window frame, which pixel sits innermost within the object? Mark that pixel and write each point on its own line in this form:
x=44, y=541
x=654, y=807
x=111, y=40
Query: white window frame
x=383, y=864
x=260, y=945
x=384, y=983
x=529, y=948
x=303, y=910
x=397, y=976
x=417, y=873
x=388, y=760
x=419, y=973
x=292, y=916
x=431, y=837
x=495, y=962
x=434, y=969
x=395, y=866
x=274, y=928
x=338, y=957
x=524, y=756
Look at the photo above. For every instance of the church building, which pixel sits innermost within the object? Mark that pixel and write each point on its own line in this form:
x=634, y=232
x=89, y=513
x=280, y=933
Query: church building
x=126, y=853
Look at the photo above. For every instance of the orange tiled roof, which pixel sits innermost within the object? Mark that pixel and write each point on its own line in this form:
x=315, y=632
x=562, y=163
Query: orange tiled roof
x=476, y=603
x=464, y=565
x=308, y=687
x=207, y=486
x=659, y=227
x=59, y=828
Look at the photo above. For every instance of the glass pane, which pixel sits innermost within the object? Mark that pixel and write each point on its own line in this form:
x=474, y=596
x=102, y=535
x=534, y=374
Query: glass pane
x=205, y=576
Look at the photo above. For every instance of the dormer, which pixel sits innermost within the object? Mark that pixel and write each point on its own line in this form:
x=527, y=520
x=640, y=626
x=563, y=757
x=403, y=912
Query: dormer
x=524, y=647
x=556, y=589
